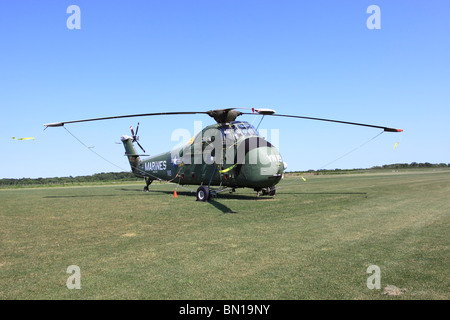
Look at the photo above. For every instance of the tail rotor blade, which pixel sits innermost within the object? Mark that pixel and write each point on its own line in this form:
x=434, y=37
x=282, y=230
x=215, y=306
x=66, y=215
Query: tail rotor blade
x=137, y=128
x=140, y=146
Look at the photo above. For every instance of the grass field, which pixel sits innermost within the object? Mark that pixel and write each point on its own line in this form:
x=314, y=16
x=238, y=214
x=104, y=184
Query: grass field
x=314, y=240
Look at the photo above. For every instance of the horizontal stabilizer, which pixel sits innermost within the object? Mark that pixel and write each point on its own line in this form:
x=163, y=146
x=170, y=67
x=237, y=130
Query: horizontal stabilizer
x=137, y=155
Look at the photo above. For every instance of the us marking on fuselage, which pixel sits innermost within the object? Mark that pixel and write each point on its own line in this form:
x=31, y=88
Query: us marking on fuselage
x=155, y=165
x=176, y=161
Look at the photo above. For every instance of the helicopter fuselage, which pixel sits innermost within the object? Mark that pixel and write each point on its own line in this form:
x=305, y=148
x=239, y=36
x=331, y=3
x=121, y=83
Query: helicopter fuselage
x=229, y=155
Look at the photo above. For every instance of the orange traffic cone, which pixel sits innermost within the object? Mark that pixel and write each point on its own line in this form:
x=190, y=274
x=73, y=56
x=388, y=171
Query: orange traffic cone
x=175, y=194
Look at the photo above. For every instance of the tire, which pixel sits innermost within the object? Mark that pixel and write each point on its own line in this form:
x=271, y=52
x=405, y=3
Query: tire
x=272, y=191
x=203, y=194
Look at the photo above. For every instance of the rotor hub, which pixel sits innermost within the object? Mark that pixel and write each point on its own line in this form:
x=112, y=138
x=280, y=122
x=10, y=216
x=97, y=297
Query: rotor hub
x=224, y=115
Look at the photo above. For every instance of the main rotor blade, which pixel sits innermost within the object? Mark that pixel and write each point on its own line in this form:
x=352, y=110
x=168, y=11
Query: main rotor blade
x=387, y=129
x=60, y=124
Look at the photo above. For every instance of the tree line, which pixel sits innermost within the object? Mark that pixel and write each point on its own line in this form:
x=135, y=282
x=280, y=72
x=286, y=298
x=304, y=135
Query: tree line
x=412, y=165
x=128, y=176
x=98, y=177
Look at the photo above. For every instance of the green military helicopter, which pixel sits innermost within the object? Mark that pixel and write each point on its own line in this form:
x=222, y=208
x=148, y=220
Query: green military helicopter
x=228, y=155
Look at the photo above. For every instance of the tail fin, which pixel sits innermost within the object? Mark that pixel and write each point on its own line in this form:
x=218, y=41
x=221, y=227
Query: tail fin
x=130, y=152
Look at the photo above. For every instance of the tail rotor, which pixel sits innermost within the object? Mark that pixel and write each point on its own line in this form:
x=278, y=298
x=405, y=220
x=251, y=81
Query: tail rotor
x=135, y=136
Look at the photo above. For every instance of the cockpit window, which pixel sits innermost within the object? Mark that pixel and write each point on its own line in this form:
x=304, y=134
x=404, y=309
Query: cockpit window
x=244, y=128
x=229, y=135
x=239, y=129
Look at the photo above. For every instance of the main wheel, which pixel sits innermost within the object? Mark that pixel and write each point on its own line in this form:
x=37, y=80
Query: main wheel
x=203, y=193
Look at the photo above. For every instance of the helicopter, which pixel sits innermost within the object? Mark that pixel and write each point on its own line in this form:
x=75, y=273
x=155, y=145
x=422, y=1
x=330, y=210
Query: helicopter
x=229, y=154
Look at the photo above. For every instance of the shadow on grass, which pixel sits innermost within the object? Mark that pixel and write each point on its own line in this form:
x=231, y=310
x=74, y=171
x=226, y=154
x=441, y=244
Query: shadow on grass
x=220, y=206
x=82, y=196
x=222, y=195
x=238, y=196
x=331, y=193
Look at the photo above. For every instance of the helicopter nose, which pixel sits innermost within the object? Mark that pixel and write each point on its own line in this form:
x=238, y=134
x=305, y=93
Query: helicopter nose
x=270, y=161
x=264, y=166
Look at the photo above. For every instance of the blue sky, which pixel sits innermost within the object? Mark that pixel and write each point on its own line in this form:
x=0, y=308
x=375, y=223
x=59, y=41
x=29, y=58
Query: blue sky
x=311, y=58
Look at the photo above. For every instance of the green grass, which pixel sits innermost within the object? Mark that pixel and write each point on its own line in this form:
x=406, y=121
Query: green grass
x=313, y=240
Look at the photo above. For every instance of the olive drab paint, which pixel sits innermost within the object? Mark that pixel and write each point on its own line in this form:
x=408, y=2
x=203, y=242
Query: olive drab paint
x=232, y=155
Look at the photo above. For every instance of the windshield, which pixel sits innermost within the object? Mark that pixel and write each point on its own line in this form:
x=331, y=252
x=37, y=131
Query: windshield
x=244, y=129
x=239, y=129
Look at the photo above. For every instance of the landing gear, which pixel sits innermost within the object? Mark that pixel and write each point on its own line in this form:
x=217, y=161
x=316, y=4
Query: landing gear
x=203, y=193
x=148, y=182
x=272, y=191
x=265, y=192
x=269, y=191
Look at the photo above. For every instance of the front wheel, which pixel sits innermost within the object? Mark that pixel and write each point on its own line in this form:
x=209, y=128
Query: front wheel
x=203, y=193
x=269, y=191
x=272, y=191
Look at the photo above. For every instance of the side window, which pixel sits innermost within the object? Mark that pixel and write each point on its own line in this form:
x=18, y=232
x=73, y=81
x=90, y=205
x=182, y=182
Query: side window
x=228, y=136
